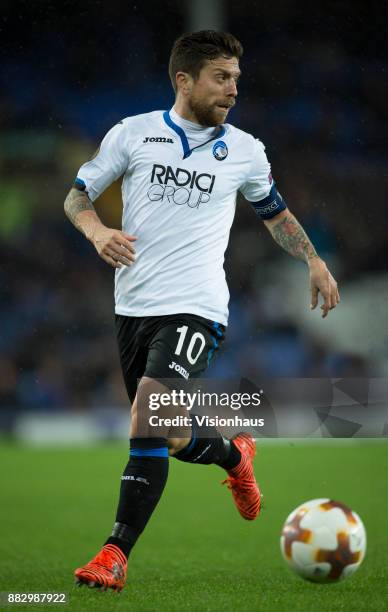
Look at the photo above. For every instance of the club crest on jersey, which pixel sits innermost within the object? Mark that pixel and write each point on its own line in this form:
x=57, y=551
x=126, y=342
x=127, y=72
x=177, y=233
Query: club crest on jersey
x=220, y=150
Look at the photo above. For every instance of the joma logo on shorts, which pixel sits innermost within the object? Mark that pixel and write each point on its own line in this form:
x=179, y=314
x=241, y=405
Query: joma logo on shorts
x=178, y=368
x=157, y=139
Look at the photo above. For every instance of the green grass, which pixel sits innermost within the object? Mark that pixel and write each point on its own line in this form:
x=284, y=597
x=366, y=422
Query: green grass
x=57, y=506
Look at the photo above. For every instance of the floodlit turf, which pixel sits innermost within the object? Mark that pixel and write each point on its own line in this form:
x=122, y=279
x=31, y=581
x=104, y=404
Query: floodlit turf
x=57, y=506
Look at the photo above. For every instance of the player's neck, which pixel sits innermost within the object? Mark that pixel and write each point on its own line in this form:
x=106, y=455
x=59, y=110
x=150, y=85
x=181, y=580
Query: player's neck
x=185, y=113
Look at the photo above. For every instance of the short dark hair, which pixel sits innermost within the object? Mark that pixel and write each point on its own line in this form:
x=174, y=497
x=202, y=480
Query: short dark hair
x=190, y=51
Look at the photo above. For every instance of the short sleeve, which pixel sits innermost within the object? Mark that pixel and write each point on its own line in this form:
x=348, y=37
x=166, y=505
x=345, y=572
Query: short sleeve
x=259, y=180
x=110, y=162
x=259, y=188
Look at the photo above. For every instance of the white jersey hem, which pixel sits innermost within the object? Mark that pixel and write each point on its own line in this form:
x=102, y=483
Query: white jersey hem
x=161, y=312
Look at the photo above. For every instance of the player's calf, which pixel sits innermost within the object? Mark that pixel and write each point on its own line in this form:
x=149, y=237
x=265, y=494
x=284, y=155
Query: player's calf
x=208, y=446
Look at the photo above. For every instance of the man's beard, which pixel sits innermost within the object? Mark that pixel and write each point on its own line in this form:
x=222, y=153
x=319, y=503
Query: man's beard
x=205, y=114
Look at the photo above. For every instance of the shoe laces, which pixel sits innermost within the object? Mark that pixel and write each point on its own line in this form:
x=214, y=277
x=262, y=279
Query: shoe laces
x=104, y=559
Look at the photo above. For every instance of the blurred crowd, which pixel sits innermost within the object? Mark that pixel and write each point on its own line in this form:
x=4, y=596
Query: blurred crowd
x=312, y=90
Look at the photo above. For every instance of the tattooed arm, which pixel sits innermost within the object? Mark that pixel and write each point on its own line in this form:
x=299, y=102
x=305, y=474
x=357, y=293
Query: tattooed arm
x=77, y=201
x=290, y=235
x=112, y=245
x=288, y=232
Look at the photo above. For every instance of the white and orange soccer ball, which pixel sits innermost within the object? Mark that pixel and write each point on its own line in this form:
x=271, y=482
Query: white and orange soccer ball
x=323, y=541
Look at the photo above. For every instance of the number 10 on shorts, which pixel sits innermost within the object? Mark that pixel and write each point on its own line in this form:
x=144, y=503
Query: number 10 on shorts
x=195, y=347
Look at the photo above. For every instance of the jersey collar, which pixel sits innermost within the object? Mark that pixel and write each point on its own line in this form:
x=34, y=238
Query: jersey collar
x=220, y=131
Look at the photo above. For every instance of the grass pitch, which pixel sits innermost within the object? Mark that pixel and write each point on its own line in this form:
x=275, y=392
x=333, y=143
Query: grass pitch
x=197, y=554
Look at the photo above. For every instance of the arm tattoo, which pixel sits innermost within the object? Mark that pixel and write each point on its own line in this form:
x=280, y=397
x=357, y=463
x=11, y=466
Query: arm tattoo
x=75, y=202
x=290, y=235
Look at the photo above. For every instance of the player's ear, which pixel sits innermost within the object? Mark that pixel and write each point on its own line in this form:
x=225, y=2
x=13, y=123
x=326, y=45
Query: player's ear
x=184, y=82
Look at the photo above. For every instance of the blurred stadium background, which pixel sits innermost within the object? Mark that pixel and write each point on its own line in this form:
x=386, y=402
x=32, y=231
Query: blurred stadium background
x=313, y=90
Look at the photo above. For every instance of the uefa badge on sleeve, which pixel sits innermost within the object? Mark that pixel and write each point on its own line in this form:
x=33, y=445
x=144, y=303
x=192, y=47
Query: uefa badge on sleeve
x=220, y=150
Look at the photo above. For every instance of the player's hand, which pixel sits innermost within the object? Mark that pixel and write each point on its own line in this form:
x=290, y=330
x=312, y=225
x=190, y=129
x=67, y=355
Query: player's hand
x=322, y=281
x=114, y=246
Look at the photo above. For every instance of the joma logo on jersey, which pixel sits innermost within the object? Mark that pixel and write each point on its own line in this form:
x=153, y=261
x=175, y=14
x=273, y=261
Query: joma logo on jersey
x=180, y=186
x=157, y=139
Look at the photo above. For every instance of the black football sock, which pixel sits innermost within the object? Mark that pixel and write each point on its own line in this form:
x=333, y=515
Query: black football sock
x=233, y=459
x=208, y=446
x=142, y=485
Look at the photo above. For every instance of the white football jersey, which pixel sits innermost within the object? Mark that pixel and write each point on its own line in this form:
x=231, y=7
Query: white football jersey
x=179, y=189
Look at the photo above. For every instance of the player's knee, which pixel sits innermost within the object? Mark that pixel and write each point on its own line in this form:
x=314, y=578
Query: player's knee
x=175, y=445
x=166, y=419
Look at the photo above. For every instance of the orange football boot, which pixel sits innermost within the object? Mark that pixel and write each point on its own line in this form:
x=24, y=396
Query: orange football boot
x=241, y=479
x=107, y=570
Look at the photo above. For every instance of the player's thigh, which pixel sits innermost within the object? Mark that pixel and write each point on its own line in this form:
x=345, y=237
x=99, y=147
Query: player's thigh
x=146, y=422
x=132, y=351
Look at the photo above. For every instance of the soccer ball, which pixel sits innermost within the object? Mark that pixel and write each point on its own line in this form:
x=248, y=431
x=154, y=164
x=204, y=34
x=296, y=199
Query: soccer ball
x=323, y=541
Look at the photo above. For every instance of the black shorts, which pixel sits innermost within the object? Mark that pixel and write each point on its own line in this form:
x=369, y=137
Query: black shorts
x=171, y=346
